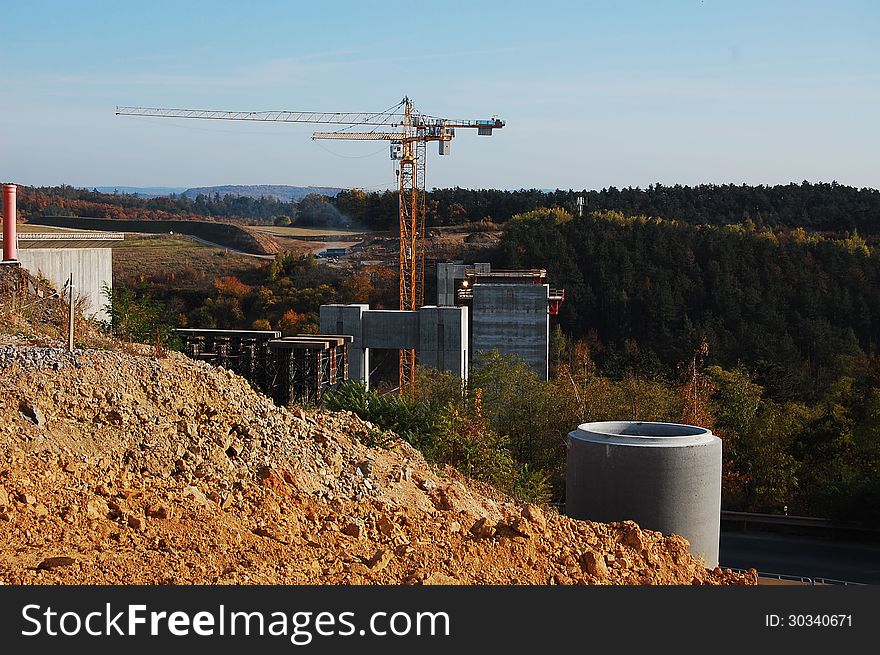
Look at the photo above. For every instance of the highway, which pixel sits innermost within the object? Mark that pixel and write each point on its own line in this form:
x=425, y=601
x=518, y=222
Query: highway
x=801, y=556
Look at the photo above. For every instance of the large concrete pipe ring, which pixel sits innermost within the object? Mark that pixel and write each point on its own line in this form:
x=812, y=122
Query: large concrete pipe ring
x=663, y=476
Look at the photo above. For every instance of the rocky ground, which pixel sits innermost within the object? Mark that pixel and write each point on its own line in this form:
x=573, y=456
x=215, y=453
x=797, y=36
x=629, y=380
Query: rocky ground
x=121, y=467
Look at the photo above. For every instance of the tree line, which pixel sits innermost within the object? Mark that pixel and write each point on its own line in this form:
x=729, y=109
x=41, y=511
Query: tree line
x=66, y=200
x=822, y=207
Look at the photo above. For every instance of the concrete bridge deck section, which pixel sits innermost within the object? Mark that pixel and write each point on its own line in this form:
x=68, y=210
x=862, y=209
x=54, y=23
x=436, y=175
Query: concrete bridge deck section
x=438, y=334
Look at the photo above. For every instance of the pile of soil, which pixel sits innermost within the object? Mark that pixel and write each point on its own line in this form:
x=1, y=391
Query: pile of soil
x=118, y=467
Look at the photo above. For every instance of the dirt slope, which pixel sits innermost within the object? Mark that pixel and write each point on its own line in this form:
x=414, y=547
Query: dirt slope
x=122, y=468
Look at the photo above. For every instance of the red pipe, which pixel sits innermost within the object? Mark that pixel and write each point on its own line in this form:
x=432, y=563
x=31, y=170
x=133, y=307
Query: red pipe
x=9, y=237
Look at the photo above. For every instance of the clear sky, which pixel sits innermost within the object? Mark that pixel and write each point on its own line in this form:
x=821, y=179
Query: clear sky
x=594, y=94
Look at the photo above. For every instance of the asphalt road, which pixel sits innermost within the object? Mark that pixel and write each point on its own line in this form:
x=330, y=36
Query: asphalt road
x=801, y=556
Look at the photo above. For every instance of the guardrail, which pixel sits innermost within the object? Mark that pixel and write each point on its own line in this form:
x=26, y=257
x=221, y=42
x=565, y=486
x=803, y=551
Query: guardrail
x=784, y=577
x=808, y=524
x=70, y=236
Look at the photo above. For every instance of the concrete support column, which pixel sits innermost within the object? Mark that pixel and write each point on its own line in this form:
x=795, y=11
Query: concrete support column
x=348, y=319
x=443, y=339
x=513, y=319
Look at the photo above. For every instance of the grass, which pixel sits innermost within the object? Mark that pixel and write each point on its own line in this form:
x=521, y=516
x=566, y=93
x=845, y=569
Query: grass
x=154, y=256
x=45, y=229
x=305, y=231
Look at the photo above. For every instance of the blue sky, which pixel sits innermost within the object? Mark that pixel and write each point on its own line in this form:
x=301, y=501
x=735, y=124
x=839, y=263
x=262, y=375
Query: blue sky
x=594, y=94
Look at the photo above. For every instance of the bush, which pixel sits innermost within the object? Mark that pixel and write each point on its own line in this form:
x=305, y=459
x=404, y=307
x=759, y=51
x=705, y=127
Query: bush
x=447, y=433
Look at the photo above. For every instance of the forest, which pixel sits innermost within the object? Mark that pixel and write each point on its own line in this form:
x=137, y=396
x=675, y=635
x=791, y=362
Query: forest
x=65, y=200
x=822, y=207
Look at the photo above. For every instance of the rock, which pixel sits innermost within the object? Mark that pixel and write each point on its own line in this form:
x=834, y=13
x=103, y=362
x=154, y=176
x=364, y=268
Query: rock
x=437, y=578
x=41, y=510
x=276, y=480
x=4, y=497
x=358, y=569
x=633, y=537
x=196, y=494
x=594, y=564
x=562, y=579
x=380, y=560
x=264, y=531
x=27, y=499
x=97, y=509
x=54, y=562
x=158, y=511
x=443, y=498
x=534, y=514
x=385, y=526
x=429, y=485
x=32, y=413
x=135, y=522
x=353, y=529
x=234, y=449
x=483, y=528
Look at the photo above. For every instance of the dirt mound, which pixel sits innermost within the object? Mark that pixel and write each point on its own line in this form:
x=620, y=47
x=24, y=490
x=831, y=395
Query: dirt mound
x=121, y=468
x=230, y=235
x=257, y=242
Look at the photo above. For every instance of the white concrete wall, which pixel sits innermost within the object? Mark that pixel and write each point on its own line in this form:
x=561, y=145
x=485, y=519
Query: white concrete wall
x=92, y=268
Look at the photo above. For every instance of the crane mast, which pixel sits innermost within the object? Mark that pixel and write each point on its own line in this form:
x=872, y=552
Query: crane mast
x=409, y=132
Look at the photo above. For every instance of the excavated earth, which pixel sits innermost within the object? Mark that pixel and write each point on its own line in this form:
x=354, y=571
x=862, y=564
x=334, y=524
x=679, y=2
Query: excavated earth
x=120, y=466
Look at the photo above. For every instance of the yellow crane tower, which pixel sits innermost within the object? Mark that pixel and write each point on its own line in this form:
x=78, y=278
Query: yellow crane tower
x=409, y=131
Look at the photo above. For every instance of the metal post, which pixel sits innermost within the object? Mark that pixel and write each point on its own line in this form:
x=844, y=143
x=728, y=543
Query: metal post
x=9, y=228
x=70, y=314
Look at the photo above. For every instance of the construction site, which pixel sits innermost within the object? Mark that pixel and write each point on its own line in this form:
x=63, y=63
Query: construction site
x=121, y=465
x=127, y=463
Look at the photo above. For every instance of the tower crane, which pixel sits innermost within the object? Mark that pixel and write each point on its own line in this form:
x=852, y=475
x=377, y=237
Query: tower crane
x=408, y=132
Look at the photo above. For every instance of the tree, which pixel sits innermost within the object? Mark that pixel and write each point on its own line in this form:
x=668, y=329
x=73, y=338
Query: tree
x=292, y=322
x=137, y=317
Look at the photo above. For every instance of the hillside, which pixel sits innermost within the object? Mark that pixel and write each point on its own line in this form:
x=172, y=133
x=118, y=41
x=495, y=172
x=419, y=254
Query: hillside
x=282, y=192
x=118, y=466
x=230, y=235
x=140, y=191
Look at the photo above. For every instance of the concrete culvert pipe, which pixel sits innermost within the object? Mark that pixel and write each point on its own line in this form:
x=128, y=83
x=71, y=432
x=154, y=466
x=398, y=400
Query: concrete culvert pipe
x=663, y=476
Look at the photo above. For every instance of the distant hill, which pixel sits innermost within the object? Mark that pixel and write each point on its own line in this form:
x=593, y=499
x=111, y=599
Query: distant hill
x=142, y=191
x=282, y=192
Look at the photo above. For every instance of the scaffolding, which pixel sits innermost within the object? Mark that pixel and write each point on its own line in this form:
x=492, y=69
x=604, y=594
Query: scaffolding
x=295, y=369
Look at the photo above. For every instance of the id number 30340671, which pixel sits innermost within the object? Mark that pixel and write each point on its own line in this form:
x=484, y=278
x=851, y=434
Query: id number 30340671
x=808, y=620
